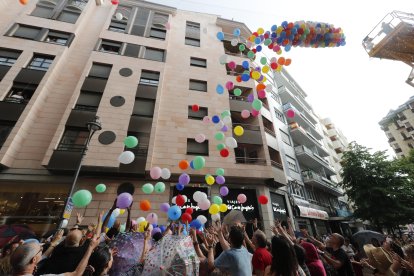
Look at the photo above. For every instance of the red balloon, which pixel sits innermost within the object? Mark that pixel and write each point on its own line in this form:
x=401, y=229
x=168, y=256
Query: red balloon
x=189, y=210
x=263, y=199
x=224, y=152
x=114, y=2
x=179, y=200
x=186, y=218
x=273, y=65
x=195, y=108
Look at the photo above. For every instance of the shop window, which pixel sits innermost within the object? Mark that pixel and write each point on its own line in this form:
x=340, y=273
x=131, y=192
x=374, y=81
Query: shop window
x=194, y=148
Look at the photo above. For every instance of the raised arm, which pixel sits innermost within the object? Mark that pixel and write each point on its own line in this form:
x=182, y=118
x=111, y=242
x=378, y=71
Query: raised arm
x=80, y=269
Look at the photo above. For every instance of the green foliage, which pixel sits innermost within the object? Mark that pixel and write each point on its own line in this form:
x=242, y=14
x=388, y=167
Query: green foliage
x=381, y=189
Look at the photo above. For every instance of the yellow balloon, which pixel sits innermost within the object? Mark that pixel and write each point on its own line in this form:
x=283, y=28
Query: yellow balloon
x=210, y=180
x=265, y=69
x=279, y=29
x=260, y=31
x=251, y=38
x=122, y=211
x=106, y=229
x=255, y=75
x=238, y=130
x=214, y=209
x=264, y=79
x=223, y=208
x=142, y=225
x=279, y=68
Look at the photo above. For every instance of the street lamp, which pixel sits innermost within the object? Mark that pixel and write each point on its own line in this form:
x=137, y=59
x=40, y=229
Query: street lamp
x=93, y=126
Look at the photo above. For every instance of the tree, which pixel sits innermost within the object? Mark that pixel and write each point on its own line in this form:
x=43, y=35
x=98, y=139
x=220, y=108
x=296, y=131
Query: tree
x=381, y=189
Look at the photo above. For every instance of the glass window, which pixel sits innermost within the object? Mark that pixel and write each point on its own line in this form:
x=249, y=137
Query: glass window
x=73, y=140
x=118, y=27
x=5, y=129
x=192, y=30
x=132, y=50
x=8, y=57
x=198, y=62
x=158, y=33
x=149, y=78
x=291, y=163
x=192, y=42
x=197, y=115
x=40, y=62
x=140, y=23
x=112, y=47
x=154, y=54
x=144, y=107
x=198, y=85
x=57, y=38
x=285, y=137
x=279, y=116
x=44, y=9
x=194, y=148
x=26, y=32
x=88, y=101
x=99, y=70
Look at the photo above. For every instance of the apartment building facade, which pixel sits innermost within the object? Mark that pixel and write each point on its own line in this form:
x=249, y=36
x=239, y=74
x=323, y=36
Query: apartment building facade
x=398, y=128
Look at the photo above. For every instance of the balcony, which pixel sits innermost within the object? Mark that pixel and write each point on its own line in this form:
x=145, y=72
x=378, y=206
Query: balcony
x=239, y=103
x=250, y=161
x=301, y=137
x=80, y=115
x=146, y=91
x=252, y=134
x=66, y=157
x=138, y=165
x=10, y=110
x=93, y=84
x=312, y=160
x=288, y=97
x=318, y=181
x=301, y=118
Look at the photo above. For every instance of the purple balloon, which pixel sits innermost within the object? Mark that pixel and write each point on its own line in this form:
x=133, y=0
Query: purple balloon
x=124, y=200
x=250, y=98
x=155, y=230
x=224, y=191
x=184, y=179
x=164, y=207
x=220, y=179
x=224, y=128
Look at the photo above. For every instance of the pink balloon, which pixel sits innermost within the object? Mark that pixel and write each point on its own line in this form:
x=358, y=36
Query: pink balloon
x=245, y=114
x=206, y=120
x=232, y=65
x=152, y=218
x=200, y=138
x=229, y=85
x=204, y=204
x=241, y=198
x=290, y=113
x=255, y=112
x=155, y=172
x=261, y=94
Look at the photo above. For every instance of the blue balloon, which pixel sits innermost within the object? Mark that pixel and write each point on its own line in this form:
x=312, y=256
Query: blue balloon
x=196, y=224
x=220, y=36
x=192, y=164
x=163, y=228
x=111, y=220
x=236, y=32
x=215, y=119
x=219, y=89
x=257, y=40
x=174, y=213
x=246, y=64
x=274, y=28
x=287, y=47
x=179, y=186
x=245, y=77
x=258, y=48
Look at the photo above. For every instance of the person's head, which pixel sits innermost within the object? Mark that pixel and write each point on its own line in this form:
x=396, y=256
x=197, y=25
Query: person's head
x=73, y=238
x=335, y=241
x=157, y=236
x=25, y=257
x=100, y=262
x=375, y=242
x=386, y=244
x=300, y=254
x=236, y=237
x=347, y=241
x=8, y=249
x=284, y=258
x=259, y=239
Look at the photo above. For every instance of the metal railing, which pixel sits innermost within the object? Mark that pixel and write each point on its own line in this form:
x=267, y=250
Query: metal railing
x=311, y=175
x=247, y=126
x=85, y=108
x=276, y=164
x=304, y=149
x=283, y=89
x=70, y=147
x=140, y=150
x=250, y=161
x=271, y=132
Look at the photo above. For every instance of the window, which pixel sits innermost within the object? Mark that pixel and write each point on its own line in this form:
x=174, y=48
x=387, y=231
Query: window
x=198, y=62
x=154, y=54
x=112, y=47
x=279, y=116
x=198, y=115
x=88, y=101
x=285, y=137
x=118, y=27
x=144, y=107
x=26, y=32
x=57, y=38
x=194, y=148
x=40, y=62
x=132, y=50
x=158, y=33
x=198, y=85
x=73, y=140
x=291, y=163
x=297, y=190
x=268, y=126
x=141, y=21
x=311, y=195
x=62, y=10
x=99, y=70
x=192, y=34
x=149, y=78
x=8, y=57
x=5, y=129
x=21, y=92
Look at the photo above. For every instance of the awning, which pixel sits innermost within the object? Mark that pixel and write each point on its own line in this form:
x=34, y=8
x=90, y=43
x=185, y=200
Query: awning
x=308, y=212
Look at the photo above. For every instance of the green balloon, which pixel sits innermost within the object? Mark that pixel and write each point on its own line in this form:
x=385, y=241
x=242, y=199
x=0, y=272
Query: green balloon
x=219, y=136
x=237, y=92
x=159, y=187
x=226, y=113
x=221, y=146
x=199, y=162
x=131, y=142
x=220, y=171
x=122, y=228
x=250, y=54
x=217, y=200
x=100, y=188
x=257, y=104
x=82, y=198
x=242, y=47
x=148, y=188
x=267, y=42
x=263, y=60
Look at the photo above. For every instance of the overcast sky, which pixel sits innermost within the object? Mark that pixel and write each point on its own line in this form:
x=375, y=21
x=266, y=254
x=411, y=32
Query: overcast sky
x=343, y=83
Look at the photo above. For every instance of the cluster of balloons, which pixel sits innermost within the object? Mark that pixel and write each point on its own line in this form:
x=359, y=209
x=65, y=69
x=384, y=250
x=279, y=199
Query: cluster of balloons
x=127, y=157
x=198, y=162
x=148, y=188
x=157, y=173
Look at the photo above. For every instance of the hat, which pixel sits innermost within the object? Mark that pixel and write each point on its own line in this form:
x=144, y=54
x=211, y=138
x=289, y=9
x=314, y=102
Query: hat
x=379, y=259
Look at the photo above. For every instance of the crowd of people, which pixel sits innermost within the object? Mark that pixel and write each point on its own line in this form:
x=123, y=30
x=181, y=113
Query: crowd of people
x=235, y=249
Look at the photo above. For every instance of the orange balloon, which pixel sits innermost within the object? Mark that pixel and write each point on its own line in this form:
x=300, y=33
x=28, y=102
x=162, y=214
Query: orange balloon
x=281, y=61
x=183, y=164
x=260, y=86
x=24, y=2
x=145, y=205
x=288, y=61
x=238, y=79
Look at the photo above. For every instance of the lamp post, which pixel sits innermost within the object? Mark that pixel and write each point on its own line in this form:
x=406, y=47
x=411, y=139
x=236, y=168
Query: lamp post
x=93, y=126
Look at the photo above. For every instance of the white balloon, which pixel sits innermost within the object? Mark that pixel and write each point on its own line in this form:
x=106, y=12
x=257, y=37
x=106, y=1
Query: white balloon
x=150, y=227
x=227, y=120
x=215, y=217
x=64, y=223
x=219, y=125
x=203, y=196
x=202, y=219
x=196, y=196
x=127, y=157
x=173, y=200
x=185, y=198
x=200, y=138
x=140, y=219
x=116, y=212
x=165, y=173
x=234, y=42
x=231, y=142
x=119, y=16
x=223, y=59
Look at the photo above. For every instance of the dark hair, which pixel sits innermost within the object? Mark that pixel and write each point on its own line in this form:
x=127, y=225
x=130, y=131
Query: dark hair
x=375, y=242
x=397, y=249
x=300, y=254
x=236, y=236
x=9, y=247
x=98, y=261
x=261, y=239
x=284, y=261
x=157, y=236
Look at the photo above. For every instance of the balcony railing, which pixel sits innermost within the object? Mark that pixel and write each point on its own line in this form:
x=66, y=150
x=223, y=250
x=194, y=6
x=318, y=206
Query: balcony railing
x=287, y=106
x=250, y=161
x=303, y=149
x=248, y=126
x=86, y=107
x=70, y=147
x=271, y=132
x=238, y=98
x=311, y=175
x=276, y=164
x=304, y=131
x=283, y=89
x=140, y=150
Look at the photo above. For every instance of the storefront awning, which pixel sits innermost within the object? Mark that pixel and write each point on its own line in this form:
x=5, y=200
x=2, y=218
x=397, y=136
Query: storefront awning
x=308, y=212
